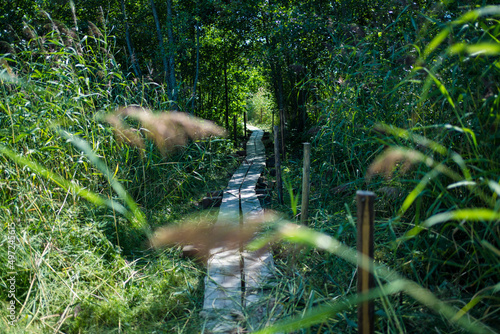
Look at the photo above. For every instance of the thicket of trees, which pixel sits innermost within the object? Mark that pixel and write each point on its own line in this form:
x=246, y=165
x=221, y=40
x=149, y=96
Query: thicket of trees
x=204, y=52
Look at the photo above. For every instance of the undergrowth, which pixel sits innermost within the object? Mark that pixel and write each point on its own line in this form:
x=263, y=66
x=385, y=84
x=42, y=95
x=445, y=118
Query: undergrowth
x=78, y=266
x=390, y=99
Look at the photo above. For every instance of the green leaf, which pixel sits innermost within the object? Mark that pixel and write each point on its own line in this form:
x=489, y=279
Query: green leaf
x=418, y=189
x=441, y=87
x=461, y=184
x=463, y=130
x=494, y=186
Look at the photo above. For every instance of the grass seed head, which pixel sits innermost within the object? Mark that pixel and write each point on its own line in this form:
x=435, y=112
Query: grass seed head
x=392, y=158
x=204, y=236
x=167, y=129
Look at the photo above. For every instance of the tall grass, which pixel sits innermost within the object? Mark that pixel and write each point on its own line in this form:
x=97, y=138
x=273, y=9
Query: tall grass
x=435, y=170
x=82, y=203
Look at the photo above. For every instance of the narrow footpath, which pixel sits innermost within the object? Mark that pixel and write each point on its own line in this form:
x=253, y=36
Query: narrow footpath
x=235, y=281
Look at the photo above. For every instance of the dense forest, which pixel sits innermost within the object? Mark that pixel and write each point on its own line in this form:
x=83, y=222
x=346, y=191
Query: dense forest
x=396, y=97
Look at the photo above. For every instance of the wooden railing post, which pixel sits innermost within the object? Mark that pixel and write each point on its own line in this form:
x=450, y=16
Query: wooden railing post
x=277, y=164
x=245, y=125
x=235, y=132
x=305, y=183
x=282, y=128
x=272, y=121
x=366, y=216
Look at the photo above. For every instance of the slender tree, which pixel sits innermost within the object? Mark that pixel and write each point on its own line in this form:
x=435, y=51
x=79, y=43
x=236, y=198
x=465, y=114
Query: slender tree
x=133, y=57
x=172, y=84
x=197, y=29
x=226, y=92
x=162, y=49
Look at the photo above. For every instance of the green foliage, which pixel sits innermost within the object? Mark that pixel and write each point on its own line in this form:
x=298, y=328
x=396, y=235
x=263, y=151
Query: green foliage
x=437, y=224
x=395, y=283
x=391, y=85
x=260, y=107
x=81, y=205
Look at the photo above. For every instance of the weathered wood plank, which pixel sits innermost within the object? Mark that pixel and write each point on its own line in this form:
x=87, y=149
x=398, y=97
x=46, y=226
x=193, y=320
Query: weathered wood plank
x=259, y=266
x=236, y=282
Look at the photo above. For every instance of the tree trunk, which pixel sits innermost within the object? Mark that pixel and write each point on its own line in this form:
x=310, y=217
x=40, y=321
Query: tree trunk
x=162, y=49
x=226, y=90
x=133, y=57
x=279, y=80
x=193, y=98
x=276, y=76
x=171, y=55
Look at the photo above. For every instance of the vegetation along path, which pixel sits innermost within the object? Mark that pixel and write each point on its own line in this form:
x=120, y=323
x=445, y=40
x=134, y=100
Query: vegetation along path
x=235, y=278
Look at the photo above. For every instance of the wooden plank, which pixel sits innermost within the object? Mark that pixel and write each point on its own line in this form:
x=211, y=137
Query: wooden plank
x=236, y=281
x=258, y=266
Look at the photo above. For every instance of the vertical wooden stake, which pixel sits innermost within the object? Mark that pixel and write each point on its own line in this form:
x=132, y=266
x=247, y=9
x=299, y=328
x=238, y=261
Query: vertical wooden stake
x=305, y=183
x=245, y=125
x=366, y=216
x=235, y=132
x=277, y=164
x=226, y=91
x=282, y=128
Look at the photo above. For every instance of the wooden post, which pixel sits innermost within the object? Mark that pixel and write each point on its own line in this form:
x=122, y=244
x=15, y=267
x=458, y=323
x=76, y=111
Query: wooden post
x=272, y=121
x=305, y=183
x=282, y=128
x=366, y=216
x=277, y=164
x=226, y=93
x=235, y=132
x=245, y=125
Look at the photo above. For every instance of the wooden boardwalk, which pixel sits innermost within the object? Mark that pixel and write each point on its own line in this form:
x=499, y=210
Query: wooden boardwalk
x=235, y=281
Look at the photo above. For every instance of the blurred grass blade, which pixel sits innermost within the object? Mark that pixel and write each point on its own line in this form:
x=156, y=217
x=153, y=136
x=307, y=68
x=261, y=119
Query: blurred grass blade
x=418, y=189
x=495, y=187
x=323, y=313
x=436, y=41
x=304, y=235
x=67, y=185
x=473, y=215
x=473, y=15
x=461, y=184
x=137, y=217
x=486, y=49
x=467, y=17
